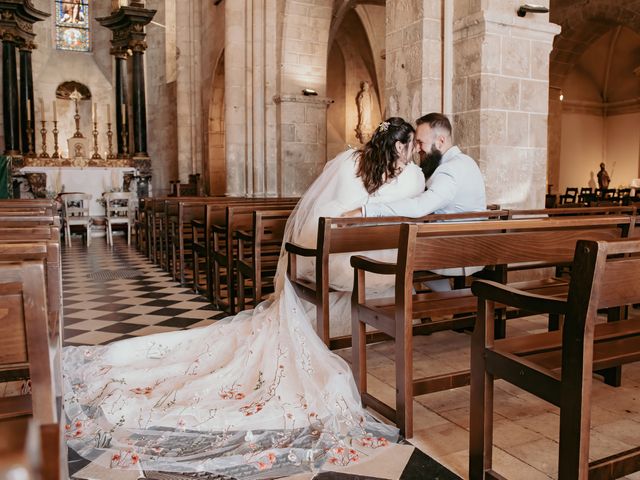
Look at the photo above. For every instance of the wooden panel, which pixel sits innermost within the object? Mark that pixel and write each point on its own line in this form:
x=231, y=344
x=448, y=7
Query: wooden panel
x=13, y=344
x=620, y=284
x=503, y=248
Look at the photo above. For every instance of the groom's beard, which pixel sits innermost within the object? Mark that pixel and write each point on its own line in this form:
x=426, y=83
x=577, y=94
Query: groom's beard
x=430, y=161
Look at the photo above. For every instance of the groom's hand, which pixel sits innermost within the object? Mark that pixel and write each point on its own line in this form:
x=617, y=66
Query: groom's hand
x=356, y=212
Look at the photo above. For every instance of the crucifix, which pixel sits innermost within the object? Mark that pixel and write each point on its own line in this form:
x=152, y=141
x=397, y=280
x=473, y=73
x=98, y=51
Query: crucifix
x=75, y=96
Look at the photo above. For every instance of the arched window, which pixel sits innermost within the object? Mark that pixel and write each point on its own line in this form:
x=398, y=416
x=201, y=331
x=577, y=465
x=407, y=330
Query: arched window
x=72, y=25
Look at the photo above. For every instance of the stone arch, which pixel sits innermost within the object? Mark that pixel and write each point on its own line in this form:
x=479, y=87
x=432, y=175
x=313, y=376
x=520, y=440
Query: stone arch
x=582, y=24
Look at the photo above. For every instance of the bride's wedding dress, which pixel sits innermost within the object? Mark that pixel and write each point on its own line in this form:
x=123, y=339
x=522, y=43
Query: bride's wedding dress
x=257, y=395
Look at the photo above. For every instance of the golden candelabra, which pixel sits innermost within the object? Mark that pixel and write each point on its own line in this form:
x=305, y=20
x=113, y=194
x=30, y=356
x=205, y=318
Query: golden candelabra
x=55, y=131
x=110, y=155
x=30, y=151
x=96, y=154
x=125, y=141
x=43, y=132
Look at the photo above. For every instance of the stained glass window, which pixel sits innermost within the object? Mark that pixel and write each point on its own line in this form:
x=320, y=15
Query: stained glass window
x=72, y=25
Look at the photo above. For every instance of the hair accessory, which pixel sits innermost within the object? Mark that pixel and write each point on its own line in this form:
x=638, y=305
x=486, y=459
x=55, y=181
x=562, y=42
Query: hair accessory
x=384, y=126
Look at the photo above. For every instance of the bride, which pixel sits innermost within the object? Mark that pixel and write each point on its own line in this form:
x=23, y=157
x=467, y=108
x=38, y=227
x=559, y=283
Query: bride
x=250, y=393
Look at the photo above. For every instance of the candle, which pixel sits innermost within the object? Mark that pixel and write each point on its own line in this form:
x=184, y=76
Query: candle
x=108, y=113
x=94, y=116
x=55, y=112
x=124, y=114
x=41, y=101
x=28, y=110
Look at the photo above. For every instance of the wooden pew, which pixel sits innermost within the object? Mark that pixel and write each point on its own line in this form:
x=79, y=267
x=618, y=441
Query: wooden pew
x=558, y=366
x=237, y=217
x=348, y=235
x=453, y=245
x=24, y=333
x=258, y=254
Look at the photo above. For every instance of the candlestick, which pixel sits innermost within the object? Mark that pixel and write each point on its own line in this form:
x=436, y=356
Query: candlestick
x=110, y=155
x=125, y=141
x=43, y=132
x=76, y=117
x=55, y=153
x=96, y=155
x=55, y=112
x=30, y=152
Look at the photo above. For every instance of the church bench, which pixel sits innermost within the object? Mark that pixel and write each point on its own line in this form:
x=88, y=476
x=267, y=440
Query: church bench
x=166, y=209
x=224, y=251
x=48, y=207
x=24, y=333
x=181, y=215
x=258, y=254
x=348, y=235
x=454, y=245
x=558, y=366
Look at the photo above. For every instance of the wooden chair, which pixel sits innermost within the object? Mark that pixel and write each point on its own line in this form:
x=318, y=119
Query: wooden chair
x=75, y=211
x=569, y=196
x=558, y=366
x=118, y=211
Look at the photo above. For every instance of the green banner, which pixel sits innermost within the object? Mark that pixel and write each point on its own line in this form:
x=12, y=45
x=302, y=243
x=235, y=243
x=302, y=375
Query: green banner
x=5, y=177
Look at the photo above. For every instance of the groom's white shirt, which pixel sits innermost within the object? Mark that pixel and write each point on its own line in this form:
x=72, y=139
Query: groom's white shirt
x=455, y=186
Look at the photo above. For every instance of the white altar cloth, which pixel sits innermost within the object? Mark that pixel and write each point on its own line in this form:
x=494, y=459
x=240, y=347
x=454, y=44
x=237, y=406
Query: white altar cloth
x=92, y=180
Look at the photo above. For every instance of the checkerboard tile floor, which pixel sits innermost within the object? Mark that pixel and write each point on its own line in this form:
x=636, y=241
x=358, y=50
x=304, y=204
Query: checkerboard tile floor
x=115, y=293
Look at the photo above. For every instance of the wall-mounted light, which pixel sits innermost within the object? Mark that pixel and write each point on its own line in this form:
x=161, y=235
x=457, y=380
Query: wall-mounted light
x=531, y=8
x=561, y=96
x=309, y=92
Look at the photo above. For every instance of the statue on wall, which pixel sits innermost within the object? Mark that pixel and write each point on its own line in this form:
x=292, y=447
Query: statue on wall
x=364, y=104
x=603, y=178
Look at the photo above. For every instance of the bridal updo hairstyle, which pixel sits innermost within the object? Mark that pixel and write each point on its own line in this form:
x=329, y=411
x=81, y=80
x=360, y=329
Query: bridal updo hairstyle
x=379, y=156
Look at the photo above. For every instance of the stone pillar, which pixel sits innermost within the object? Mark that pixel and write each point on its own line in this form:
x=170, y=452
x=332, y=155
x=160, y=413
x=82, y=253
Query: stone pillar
x=250, y=87
x=121, y=103
x=26, y=93
x=302, y=120
x=10, y=96
x=127, y=24
x=139, y=105
x=500, y=98
x=413, y=58
x=16, y=29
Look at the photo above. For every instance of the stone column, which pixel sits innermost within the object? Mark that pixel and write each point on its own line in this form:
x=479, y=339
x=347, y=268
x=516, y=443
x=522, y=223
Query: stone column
x=500, y=99
x=121, y=103
x=10, y=96
x=139, y=105
x=413, y=58
x=26, y=93
x=302, y=120
x=250, y=87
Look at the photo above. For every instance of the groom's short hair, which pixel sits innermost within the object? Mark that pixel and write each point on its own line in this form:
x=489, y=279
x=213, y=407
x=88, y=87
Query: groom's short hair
x=436, y=121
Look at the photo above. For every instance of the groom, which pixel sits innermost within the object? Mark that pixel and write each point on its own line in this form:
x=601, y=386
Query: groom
x=456, y=184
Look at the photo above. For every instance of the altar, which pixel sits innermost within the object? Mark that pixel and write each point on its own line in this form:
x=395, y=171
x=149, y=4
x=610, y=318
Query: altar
x=92, y=180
